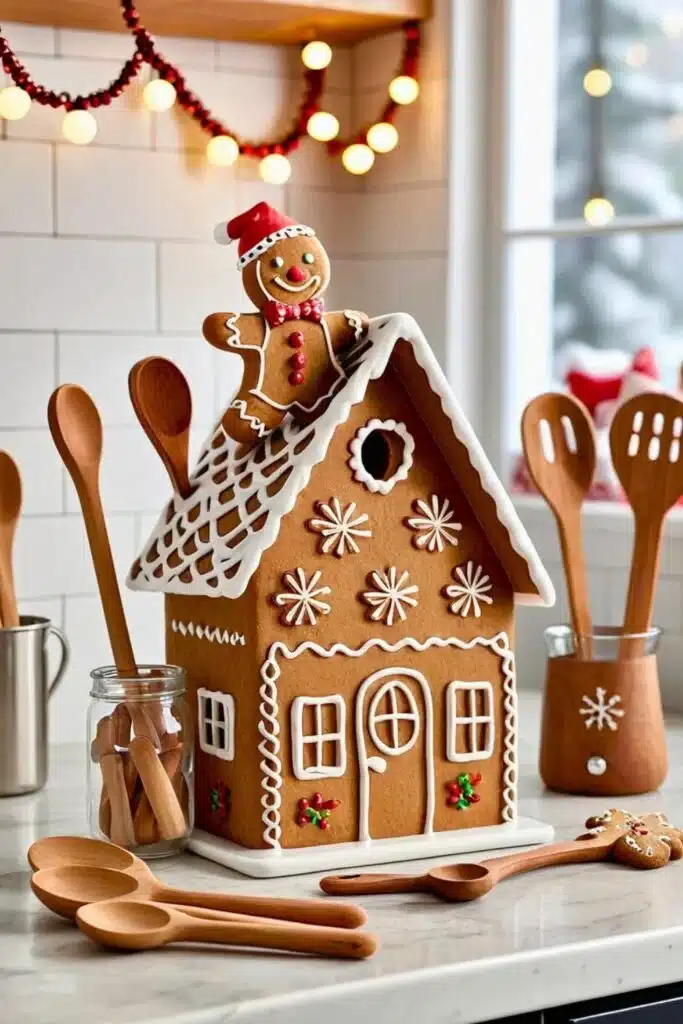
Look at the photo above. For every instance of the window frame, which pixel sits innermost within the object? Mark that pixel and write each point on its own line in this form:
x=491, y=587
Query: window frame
x=300, y=739
x=227, y=701
x=470, y=720
x=391, y=685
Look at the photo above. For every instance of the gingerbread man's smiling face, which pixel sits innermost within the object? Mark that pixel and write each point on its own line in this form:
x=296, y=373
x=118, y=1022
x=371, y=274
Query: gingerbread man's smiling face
x=291, y=271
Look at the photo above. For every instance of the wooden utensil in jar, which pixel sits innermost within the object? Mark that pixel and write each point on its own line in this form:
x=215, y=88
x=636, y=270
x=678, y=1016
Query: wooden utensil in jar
x=163, y=405
x=559, y=447
x=10, y=508
x=646, y=438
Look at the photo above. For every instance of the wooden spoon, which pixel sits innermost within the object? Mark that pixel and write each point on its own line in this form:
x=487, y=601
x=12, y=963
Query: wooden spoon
x=10, y=507
x=646, y=442
x=464, y=882
x=64, y=889
x=163, y=405
x=128, y=924
x=562, y=466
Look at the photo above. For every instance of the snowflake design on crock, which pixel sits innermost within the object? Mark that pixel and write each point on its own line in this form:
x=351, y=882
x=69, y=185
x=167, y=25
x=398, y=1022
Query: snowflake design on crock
x=470, y=589
x=303, y=598
x=390, y=595
x=338, y=527
x=602, y=711
x=435, y=527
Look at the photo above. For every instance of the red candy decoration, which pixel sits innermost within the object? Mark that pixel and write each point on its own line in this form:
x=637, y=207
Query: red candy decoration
x=296, y=339
x=295, y=378
x=298, y=361
x=315, y=812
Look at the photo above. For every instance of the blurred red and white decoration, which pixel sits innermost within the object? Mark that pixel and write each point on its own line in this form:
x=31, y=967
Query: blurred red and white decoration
x=602, y=379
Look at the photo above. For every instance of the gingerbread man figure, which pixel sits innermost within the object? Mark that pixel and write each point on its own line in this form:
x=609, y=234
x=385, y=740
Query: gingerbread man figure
x=290, y=346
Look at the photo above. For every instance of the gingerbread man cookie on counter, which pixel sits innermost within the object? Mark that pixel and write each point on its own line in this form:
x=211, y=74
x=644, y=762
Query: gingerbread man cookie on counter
x=290, y=346
x=641, y=840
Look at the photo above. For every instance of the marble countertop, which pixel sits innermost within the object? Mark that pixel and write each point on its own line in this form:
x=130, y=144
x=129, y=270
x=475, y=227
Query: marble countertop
x=544, y=939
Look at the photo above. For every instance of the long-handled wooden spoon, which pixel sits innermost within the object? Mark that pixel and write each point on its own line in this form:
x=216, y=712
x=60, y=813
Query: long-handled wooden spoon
x=132, y=925
x=559, y=447
x=65, y=889
x=163, y=405
x=10, y=507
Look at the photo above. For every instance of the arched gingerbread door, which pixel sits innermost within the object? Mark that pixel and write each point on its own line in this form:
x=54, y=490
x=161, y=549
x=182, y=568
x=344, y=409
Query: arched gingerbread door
x=395, y=721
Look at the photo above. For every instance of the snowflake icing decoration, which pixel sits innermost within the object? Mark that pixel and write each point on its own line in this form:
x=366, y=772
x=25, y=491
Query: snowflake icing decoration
x=470, y=589
x=435, y=528
x=390, y=595
x=602, y=711
x=303, y=598
x=338, y=527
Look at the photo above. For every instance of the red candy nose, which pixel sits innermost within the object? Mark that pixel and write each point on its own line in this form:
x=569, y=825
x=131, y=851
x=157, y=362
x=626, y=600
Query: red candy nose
x=296, y=275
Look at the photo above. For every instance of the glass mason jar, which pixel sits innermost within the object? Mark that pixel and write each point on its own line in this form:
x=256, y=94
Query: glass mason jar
x=140, y=763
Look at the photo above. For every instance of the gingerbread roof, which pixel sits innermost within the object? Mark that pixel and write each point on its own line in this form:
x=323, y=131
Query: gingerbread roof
x=211, y=543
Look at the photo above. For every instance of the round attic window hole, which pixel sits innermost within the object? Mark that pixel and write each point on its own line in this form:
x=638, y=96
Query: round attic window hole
x=381, y=454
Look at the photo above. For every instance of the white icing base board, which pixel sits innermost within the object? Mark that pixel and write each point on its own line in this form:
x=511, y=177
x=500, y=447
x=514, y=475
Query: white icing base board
x=274, y=864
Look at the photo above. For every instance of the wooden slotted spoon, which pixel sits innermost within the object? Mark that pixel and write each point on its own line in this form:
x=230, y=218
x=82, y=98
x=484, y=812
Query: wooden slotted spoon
x=163, y=405
x=646, y=444
x=10, y=508
x=563, y=480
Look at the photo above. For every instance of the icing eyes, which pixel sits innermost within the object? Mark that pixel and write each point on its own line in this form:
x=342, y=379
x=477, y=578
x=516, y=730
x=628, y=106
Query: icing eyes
x=308, y=257
x=277, y=262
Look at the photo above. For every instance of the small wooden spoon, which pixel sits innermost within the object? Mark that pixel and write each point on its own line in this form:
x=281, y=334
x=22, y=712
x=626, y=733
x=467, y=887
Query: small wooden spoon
x=128, y=924
x=163, y=405
x=464, y=882
x=10, y=507
x=64, y=889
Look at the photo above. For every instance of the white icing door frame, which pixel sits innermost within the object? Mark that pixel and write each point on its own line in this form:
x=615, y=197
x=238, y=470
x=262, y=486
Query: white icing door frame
x=378, y=764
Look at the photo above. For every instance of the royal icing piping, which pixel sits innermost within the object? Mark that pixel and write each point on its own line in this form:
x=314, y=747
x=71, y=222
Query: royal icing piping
x=317, y=740
x=471, y=720
x=356, y=322
x=470, y=589
x=212, y=725
x=259, y=428
x=291, y=231
x=391, y=593
x=233, y=338
x=269, y=728
x=302, y=598
x=434, y=525
x=361, y=474
x=211, y=633
x=233, y=564
x=338, y=527
x=602, y=711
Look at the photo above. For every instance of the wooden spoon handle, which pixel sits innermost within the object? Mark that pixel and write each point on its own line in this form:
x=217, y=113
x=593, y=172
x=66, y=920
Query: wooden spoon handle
x=642, y=578
x=318, y=912
x=571, y=542
x=361, y=885
x=159, y=789
x=336, y=942
x=121, y=829
x=9, y=613
x=579, y=851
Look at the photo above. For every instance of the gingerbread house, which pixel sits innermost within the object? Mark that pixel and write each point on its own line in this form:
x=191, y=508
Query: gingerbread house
x=342, y=596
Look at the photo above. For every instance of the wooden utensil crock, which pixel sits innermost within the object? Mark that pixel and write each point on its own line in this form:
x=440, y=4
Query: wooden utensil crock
x=625, y=757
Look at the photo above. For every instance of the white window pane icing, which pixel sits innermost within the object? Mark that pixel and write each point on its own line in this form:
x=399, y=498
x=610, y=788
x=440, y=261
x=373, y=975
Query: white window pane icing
x=216, y=723
x=470, y=724
x=318, y=727
x=394, y=718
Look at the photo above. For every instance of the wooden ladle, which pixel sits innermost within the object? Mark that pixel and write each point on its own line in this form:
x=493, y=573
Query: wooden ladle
x=559, y=447
x=129, y=924
x=163, y=405
x=464, y=882
x=10, y=507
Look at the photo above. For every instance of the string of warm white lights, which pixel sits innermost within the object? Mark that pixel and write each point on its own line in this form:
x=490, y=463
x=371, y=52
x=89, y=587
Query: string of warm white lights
x=169, y=87
x=597, y=82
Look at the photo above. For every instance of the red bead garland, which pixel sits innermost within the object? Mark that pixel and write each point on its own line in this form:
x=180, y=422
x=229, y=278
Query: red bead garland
x=147, y=53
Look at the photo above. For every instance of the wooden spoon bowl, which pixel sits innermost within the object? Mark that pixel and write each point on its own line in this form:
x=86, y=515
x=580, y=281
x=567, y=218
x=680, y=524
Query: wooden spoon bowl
x=163, y=405
x=65, y=890
x=65, y=851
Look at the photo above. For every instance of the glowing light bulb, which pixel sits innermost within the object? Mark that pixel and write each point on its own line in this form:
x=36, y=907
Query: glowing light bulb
x=79, y=127
x=382, y=137
x=597, y=82
x=14, y=103
x=316, y=55
x=637, y=55
x=322, y=126
x=598, y=211
x=404, y=89
x=222, y=151
x=358, y=158
x=159, y=95
x=275, y=169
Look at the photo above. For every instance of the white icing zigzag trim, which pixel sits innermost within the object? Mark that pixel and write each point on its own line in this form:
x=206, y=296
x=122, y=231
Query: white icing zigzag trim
x=211, y=633
x=259, y=428
x=269, y=727
x=355, y=322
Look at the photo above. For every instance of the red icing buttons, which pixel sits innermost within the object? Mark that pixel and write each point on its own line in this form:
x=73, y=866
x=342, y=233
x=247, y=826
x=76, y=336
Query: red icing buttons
x=296, y=339
x=298, y=361
x=296, y=377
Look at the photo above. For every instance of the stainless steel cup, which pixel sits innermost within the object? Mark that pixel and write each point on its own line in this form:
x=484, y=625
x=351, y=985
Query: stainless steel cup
x=24, y=693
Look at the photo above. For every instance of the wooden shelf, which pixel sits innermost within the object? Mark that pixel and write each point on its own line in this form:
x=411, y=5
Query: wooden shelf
x=271, y=21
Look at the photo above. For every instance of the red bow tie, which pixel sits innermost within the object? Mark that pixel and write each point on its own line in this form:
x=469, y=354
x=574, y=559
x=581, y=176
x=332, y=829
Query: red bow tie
x=277, y=313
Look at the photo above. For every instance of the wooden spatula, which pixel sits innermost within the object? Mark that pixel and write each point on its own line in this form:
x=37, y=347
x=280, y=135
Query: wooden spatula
x=559, y=447
x=163, y=405
x=10, y=507
x=646, y=441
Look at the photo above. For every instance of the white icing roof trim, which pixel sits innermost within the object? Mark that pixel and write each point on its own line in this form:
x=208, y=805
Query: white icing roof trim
x=384, y=333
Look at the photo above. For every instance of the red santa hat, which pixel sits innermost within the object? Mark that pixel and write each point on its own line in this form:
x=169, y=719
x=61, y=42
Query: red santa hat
x=257, y=230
